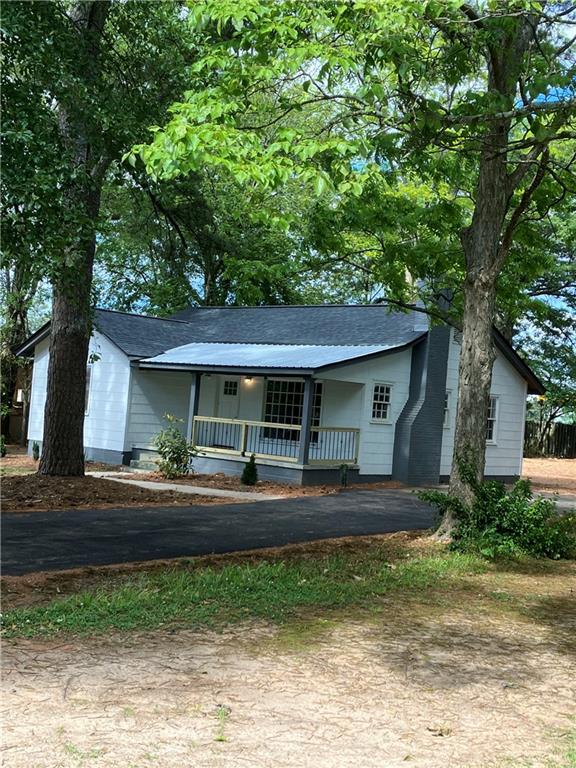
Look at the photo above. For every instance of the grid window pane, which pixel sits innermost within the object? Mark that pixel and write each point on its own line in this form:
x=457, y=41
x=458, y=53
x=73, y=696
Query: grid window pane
x=381, y=402
x=284, y=405
x=230, y=388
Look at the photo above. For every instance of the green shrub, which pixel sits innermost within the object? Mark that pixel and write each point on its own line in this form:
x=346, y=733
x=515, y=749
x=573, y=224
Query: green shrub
x=250, y=473
x=2, y=446
x=35, y=451
x=501, y=523
x=175, y=452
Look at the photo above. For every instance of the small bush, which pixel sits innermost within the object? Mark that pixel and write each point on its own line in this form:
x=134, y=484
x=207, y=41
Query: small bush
x=502, y=523
x=2, y=446
x=176, y=453
x=35, y=451
x=250, y=473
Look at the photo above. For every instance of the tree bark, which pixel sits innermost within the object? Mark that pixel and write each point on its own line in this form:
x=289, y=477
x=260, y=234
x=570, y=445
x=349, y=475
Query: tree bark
x=63, y=444
x=63, y=447
x=485, y=243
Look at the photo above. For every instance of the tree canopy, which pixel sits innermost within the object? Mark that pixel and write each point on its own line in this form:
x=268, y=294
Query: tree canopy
x=475, y=101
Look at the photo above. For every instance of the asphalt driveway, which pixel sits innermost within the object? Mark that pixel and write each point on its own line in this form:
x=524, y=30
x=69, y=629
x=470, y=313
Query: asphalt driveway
x=46, y=541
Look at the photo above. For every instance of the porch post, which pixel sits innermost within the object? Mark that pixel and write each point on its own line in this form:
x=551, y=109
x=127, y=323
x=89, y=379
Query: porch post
x=306, y=421
x=193, y=404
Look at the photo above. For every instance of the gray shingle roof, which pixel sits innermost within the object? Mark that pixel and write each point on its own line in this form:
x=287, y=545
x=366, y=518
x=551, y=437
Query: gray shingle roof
x=323, y=325
x=141, y=336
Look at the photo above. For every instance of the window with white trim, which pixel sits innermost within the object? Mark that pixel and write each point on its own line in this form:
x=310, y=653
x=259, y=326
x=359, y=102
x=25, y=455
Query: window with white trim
x=492, y=419
x=381, y=396
x=230, y=387
x=87, y=390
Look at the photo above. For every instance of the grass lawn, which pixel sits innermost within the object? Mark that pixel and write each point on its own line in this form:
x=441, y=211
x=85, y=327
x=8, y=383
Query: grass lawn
x=270, y=589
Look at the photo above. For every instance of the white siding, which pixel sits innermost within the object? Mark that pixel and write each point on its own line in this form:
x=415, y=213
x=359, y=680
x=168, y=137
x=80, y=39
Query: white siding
x=504, y=457
x=105, y=422
x=38, y=391
x=376, y=440
x=154, y=394
x=341, y=404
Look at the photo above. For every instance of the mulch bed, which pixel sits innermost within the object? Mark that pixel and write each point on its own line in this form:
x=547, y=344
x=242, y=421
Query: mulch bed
x=40, y=493
x=229, y=483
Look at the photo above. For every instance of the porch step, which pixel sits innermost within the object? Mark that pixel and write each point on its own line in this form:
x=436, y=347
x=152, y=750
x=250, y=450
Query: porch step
x=141, y=464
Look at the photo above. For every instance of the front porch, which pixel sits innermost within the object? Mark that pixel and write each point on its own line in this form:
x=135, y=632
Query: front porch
x=292, y=424
x=327, y=446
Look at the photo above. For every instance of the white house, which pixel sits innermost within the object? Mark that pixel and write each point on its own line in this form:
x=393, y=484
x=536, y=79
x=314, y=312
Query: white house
x=305, y=388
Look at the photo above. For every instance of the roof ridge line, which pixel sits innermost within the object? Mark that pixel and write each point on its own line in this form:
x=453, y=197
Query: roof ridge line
x=144, y=317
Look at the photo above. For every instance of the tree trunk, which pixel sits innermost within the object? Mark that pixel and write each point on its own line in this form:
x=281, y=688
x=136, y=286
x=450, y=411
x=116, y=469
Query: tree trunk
x=477, y=356
x=63, y=446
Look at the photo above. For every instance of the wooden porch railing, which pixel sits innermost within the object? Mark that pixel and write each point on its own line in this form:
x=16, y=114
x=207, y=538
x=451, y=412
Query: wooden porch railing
x=328, y=445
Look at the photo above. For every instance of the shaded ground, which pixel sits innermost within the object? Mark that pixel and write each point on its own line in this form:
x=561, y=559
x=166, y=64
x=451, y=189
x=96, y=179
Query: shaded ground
x=69, y=539
x=479, y=673
x=17, y=462
x=39, y=493
x=551, y=474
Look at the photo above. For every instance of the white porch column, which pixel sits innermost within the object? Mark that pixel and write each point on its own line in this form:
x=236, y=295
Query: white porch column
x=193, y=404
x=306, y=420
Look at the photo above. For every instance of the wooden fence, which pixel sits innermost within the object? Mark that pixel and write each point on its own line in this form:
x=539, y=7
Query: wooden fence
x=560, y=441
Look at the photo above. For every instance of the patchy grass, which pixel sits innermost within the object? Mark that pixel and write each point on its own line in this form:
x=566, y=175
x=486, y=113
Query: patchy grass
x=8, y=471
x=273, y=591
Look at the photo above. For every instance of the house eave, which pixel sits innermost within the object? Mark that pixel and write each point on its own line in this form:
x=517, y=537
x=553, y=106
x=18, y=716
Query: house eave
x=535, y=386
x=231, y=370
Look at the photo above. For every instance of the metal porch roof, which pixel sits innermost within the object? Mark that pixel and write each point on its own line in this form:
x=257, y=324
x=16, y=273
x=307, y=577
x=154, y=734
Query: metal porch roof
x=261, y=356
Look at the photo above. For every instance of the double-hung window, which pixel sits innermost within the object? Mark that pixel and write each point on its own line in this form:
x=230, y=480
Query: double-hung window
x=492, y=419
x=381, y=398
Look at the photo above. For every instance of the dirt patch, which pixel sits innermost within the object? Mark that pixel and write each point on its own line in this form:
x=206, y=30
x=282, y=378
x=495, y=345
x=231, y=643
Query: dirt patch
x=551, y=474
x=470, y=681
x=39, y=493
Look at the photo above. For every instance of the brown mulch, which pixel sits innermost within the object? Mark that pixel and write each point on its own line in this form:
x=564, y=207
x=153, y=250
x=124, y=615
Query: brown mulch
x=39, y=493
x=226, y=482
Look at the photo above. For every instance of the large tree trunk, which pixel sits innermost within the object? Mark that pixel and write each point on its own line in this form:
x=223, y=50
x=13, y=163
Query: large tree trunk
x=485, y=242
x=63, y=446
x=477, y=356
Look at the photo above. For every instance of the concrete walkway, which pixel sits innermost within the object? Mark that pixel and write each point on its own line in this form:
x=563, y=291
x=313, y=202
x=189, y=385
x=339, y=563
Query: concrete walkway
x=194, y=490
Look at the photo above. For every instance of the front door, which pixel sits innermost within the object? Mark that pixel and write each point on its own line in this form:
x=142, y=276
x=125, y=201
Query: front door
x=228, y=407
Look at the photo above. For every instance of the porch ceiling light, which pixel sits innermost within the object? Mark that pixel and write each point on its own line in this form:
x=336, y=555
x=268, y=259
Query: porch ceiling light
x=248, y=379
